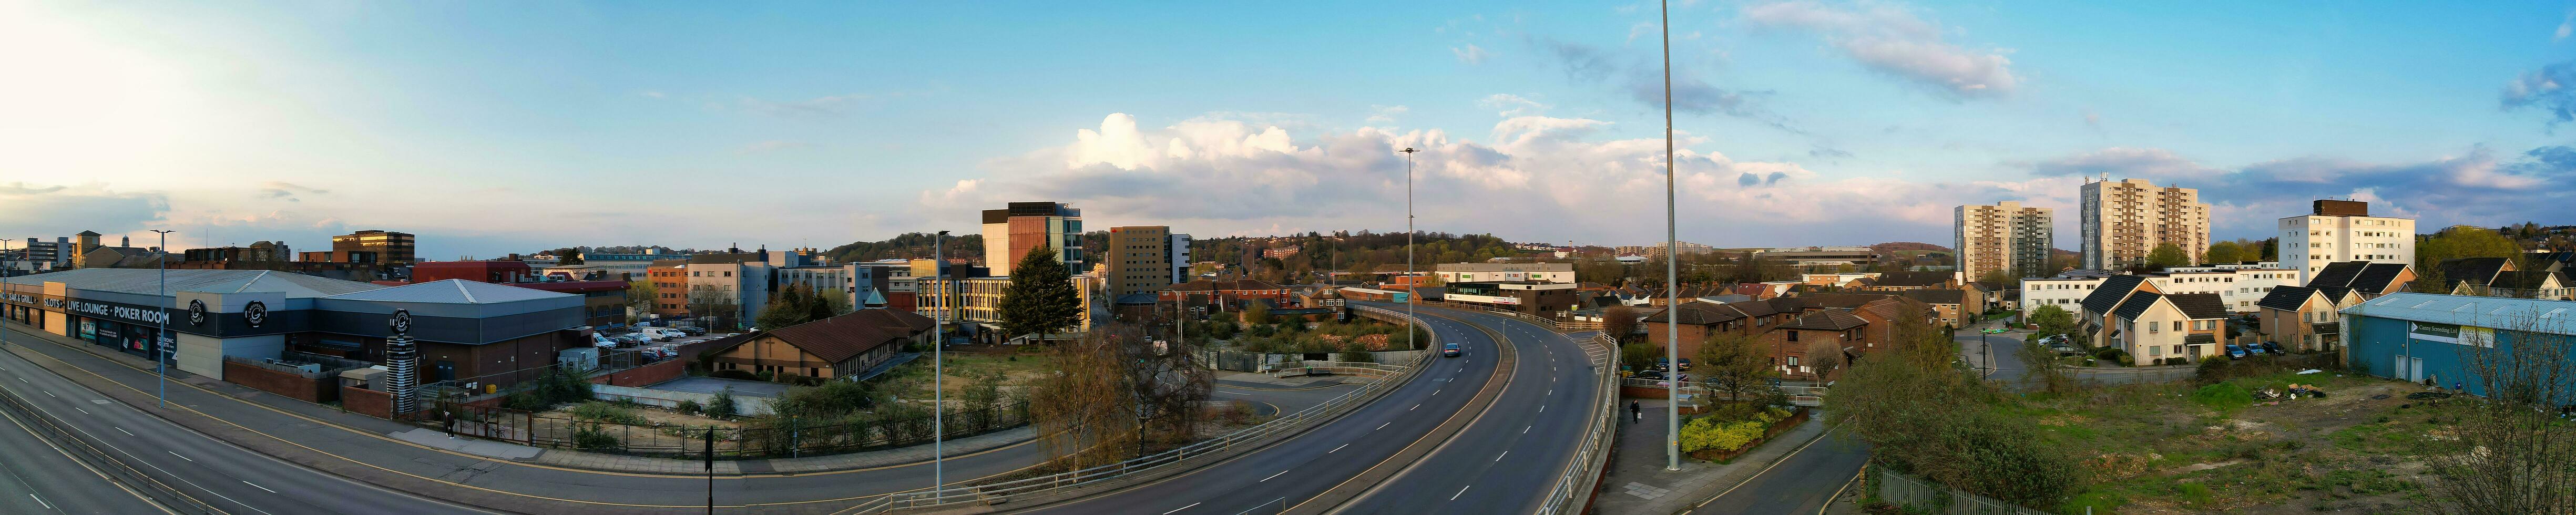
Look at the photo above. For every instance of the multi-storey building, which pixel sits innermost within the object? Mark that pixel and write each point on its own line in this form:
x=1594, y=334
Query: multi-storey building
x=670, y=279
x=1010, y=232
x=390, y=248
x=731, y=286
x=2005, y=237
x=2238, y=289
x=1145, y=258
x=1504, y=272
x=2124, y=220
x=2343, y=230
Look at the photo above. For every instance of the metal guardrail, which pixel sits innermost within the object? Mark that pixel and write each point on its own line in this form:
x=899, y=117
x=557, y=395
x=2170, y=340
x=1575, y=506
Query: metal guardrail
x=1003, y=491
x=1798, y=395
x=1551, y=325
x=1579, y=481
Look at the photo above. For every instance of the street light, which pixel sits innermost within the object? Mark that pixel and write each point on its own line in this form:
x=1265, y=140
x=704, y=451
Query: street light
x=161, y=351
x=6, y=311
x=1672, y=268
x=939, y=339
x=1412, y=295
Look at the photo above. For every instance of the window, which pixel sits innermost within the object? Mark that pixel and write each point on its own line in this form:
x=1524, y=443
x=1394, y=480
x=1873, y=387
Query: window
x=2177, y=325
x=1793, y=335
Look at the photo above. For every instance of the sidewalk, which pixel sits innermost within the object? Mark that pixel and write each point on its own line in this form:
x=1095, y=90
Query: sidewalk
x=1638, y=483
x=91, y=357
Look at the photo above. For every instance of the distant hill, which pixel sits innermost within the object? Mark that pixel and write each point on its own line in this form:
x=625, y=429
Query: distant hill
x=908, y=245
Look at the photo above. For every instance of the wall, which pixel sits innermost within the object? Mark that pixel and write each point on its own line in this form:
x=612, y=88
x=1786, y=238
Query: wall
x=367, y=402
x=281, y=383
x=742, y=404
x=644, y=375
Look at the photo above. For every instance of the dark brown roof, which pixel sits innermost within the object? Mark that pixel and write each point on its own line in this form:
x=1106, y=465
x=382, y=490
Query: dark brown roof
x=2199, y=339
x=2521, y=280
x=2108, y=296
x=1826, y=320
x=1699, y=313
x=2200, y=305
x=2137, y=304
x=2287, y=298
x=1840, y=300
x=1938, y=296
x=2337, y=274
x=1914, y=279
x=2474, y=270
x=1233, y=285
x=838, y=338
x=2375, y=278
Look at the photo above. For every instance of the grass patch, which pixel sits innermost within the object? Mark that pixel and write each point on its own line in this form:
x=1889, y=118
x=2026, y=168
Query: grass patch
x=604, y=411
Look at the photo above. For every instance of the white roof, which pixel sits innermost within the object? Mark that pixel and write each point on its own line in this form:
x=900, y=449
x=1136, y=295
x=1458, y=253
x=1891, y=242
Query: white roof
x=145, y=281
x=453, y=291
x=2530, y=315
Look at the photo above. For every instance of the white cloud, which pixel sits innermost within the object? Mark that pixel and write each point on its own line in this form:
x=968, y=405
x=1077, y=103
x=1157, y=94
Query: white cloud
x=1892, y=40
x=1510, y=105
x=650, y=94
x=2566, y=27
x=1385, y=114
x=772, y=146
x=1470, y=54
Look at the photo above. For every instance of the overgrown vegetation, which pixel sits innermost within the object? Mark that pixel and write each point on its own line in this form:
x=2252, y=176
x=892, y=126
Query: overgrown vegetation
x=1926, y=417
x=562, y=385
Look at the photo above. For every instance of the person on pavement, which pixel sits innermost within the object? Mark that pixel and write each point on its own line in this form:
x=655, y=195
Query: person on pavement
x=1635, y=413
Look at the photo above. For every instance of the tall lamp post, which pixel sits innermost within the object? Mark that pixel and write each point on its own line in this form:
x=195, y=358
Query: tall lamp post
x=161, y=351
x=1672, y=267
x=939, y=340
x=1412, y=295
x=7, y=313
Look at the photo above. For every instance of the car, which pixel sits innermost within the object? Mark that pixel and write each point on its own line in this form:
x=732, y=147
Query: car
x=1450, y=350
x=630, y=340
x=2273, y=347
x=2057, y=339
x=1685, y=363
x=602, y=342
x=668, y=334
x=2253, y=349
x=1650, y=374
x=2234, y=351
x=2065, y=350
x=694, y=331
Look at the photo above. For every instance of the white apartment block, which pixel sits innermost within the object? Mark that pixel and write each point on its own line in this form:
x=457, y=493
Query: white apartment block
x=2240, y=287
x=2343, y=230
x=1504, y=272
x=2123, y=221
x=2005, y=236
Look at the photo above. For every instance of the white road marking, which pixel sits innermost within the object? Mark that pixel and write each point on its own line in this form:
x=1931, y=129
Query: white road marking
x=1272, y=476
x=1381, y=426
x=1337, y=449
x=41, y=500
x=1499, y=457
x=1435, y=392
x=263, y=488
x=50, y=393
x=1542, y=408
x=1525, y=429
x=122, y=430
x=1415, y=407
x=1461, y=491
x=175, y=453
x=1178, y=510
x=83, y=411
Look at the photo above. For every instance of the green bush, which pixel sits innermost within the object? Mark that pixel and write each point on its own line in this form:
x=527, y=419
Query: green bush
x=2224, y=397
x=593, y=438
x=722, y=405
x=689, y=406
x=1707, y=433
x=832, y=399
x=610, y=412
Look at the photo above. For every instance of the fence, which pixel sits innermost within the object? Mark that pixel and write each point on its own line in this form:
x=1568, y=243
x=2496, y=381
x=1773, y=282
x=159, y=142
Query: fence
x=1797, y=395
x=1920, y=496
x=751, y=439
x=1201, y=452
x=1581, y=479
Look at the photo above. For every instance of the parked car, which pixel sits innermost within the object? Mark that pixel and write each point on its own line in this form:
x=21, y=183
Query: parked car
x=2273, y=347
x=2235, y=352
x=629, y=340
x=668, y=334
x=694, y=331
x=1650, y=374
x=2254, y=349
x=1685, y=363
x=602, y=341
x=1450, y=350
x=1663, y=364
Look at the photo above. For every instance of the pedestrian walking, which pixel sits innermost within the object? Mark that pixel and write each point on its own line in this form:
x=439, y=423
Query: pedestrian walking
x=1636, y=413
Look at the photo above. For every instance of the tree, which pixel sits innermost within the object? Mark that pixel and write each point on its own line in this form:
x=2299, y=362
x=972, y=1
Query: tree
x=1825, y=356
x=2168, y=255
x=788, y=308
x=1924, y=417
x=1257, y=314
x=1040, y=298
x=1115, y=391
x=707, y=300
x=640, y=297
x=2040, y=365
x=2052, y=320
x=1620, y=322
x=2512, y=449
x=1640, y=355
x=2225, y=252
x=567, y=256
x=1736, y=363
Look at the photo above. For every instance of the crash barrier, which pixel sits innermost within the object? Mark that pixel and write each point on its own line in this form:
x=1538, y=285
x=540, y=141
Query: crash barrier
x=1916, y=495
x=1573, y=490
x=1151, y=466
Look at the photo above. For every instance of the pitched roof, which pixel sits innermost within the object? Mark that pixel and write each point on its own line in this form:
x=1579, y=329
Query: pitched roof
x=1826, y=320
x=1937, y=296
x=2287, y=298
x=1699, y=313
x=2376, y=277
x=2474, y=270
x=2521, y=315
x=148, y=281
x=2523, y=280
x=2109, y=294
x=2200, y=305
x=1232, y=285
x=1841, y=300
x=1917, y=279
x=2339, y=273
x=453, y=291
x=2199, y=339
x=2137, y=305
x=838, y=338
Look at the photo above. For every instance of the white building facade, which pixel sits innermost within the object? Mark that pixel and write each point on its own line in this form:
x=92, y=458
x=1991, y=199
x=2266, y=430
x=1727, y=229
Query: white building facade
x=2343, y=230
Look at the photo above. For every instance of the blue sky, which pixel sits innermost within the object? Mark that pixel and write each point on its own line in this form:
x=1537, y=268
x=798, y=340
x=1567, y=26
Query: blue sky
x=508, y=127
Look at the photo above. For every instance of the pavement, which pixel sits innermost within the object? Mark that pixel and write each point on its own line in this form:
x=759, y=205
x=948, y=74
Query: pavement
x=1638, y=483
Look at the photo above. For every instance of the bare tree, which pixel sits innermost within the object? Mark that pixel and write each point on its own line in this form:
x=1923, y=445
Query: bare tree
x=2041, y=366
x=2513, y=450
x=1825, y=356
x=1619, y=322
x=1116, y=393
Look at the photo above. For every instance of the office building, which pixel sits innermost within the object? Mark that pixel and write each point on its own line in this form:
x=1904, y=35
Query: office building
x=2124, y=220
x=1504, y=272
x=2006, y=237
x=2343, y=230
x=1144, y=259
x=1009, y=233
x=389, y=248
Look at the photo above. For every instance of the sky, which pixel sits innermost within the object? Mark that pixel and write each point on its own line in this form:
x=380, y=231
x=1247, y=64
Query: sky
x=495, y=127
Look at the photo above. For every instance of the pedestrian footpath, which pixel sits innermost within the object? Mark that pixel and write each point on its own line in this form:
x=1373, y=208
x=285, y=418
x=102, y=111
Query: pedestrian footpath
x=1637, y=482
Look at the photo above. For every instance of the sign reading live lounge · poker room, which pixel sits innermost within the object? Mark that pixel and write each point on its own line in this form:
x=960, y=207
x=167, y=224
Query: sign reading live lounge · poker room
x=129, y=314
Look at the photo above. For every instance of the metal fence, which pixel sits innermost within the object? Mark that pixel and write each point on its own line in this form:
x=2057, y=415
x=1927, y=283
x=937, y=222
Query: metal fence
x=1573, y=490
x=752, y=439
x=1243, y=439
x=1798, y=395
x=1917, y=495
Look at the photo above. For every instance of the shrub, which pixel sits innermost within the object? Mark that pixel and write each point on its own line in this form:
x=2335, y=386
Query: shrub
x=722, y=405
x=733, y=374
x=2111, y=354
x=1358, y=357
x=593, y=438
x=1706, y=433
x=832, y=399
x=688, y=406
x=526, y=401
x=600, y=411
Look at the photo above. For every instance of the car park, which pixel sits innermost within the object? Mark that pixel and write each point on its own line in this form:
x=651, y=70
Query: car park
x=1650, y=374
x=694, y=331
x=2253, y=349
x=2236, y=352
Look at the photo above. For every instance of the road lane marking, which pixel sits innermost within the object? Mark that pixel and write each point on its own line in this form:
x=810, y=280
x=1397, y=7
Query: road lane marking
x=1337, y=449
x=1178, y=510
x=175, y=453
x=256, y=485
x=1416, y=406
x=1542, y=408
x=1499, y=457
x=1435, y=392
x=1382, y=426
x=41, y=500
x=1525, y=429
x=83, y=411
x=1461, y=491
x=122, y=430
x=1272, y=476
x=50, y=393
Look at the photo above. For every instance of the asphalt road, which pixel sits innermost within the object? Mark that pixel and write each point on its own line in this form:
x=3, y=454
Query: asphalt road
x=40, y=477
x=218, y=474
x=1511, y=456
x=1303, y=467
x=1802, y=483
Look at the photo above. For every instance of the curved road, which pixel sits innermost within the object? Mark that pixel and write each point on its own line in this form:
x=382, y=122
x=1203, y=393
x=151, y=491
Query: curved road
x=1509, y=459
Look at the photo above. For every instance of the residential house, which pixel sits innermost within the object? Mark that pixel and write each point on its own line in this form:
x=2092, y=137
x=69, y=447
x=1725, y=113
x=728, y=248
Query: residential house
x=2152, y=326
x=2303, y=318
x=843, y=347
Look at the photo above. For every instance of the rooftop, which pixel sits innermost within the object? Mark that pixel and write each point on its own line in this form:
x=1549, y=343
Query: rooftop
x=148, y=282
x=2544, y=316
